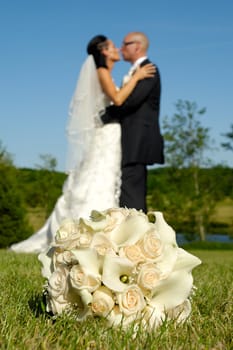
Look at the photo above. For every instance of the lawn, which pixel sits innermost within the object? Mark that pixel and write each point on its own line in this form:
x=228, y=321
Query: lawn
x=24, y=325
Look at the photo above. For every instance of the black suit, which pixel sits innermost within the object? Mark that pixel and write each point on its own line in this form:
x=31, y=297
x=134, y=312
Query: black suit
x=142, y=143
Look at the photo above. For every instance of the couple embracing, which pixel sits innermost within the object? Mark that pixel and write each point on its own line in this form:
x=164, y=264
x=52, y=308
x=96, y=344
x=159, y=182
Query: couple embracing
x=113, y=135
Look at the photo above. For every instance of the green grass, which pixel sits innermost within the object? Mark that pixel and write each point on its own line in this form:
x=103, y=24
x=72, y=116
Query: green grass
x=224, y=211
x=24, y=325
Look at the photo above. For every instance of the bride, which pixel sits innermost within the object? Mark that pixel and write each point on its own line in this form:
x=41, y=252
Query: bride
x=94, y=154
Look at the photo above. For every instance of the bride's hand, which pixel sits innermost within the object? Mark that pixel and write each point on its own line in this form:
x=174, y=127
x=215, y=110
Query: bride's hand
x=147, y=71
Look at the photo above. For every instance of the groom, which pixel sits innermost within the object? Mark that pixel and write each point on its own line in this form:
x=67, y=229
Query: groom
x=142, y=143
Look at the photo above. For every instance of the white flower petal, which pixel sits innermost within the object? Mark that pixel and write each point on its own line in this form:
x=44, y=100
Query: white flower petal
x=176, y=288
x=166, y=261
x=186, y=260
x=89, y=260
x=102, y=244
x=113, y=269
x=86, y=297
x=166, y=232
x=94, y=226
x=168, y=238
x=131, y=230
x=102, y=302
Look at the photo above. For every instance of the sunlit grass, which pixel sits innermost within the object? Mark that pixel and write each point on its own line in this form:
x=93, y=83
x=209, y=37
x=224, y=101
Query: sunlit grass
x=24, y=325
x=224, y=211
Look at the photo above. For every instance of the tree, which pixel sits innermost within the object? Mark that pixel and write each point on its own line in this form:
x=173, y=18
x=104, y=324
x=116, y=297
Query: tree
x=46, y=182
x=185, y=142
x=5, y=157
x=13, y=224
x=48, y=162
x=229, y=144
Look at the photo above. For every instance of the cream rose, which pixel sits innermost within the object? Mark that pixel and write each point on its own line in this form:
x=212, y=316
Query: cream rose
x=65, y=258
x=102, y=302
x=102, y=244
x=84, y=240
x=56, y=306
x=81, y=280
x=148, y=276
x=57, y=284
x=151, y=245
x=57, y=290
x=131, y=300
x=115, y=217
x=133, y=253
x=67, y=233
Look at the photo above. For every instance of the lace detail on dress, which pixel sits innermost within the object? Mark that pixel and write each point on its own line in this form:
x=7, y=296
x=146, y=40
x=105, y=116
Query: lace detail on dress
x=97, y=184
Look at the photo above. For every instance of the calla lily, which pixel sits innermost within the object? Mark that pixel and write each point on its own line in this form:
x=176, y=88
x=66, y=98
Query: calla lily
x=89, y=260
x=131, y=230
x=114, y=271
x=92, y=225
x=86, y=297
x=167, y=235
x=176, y=288
x=186, y=261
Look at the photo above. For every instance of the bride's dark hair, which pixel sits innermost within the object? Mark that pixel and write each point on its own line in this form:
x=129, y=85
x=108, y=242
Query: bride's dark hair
x=95, y=47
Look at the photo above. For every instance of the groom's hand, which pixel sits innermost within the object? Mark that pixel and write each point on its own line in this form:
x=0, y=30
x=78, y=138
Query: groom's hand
x=108, y=118
x=105, y=118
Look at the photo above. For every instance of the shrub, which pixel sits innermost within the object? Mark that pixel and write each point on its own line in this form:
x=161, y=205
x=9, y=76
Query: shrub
x=13, y=224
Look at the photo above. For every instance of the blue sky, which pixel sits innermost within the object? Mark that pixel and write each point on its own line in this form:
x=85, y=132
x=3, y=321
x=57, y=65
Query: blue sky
x=43, y=44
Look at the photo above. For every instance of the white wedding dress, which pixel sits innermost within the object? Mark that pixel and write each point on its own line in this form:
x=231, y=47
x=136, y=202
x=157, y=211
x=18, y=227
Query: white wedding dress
x=94, y=182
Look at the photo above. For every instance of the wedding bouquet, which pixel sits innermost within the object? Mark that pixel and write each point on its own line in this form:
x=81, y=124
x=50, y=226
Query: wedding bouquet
x=120, y=264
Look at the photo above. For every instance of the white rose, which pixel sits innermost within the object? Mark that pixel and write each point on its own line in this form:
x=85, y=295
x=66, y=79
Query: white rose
x=67, y=233
x=102, y=244
x=102, y=302
x=65, y=258
x=151, y=245
x=133, y=253
x=148, y=276
x=84, y=240
x=57, y=290
x=115, y=217
x=131, y=300
x=57, y=284
x=56, y=306
x=81, y=280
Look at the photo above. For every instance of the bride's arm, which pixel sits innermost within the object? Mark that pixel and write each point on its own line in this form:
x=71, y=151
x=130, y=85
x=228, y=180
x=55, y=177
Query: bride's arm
x=118, y=97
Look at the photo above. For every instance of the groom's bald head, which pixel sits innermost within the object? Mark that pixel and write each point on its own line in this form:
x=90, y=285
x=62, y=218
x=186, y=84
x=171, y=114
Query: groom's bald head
x=134, y=46
x=142, y=38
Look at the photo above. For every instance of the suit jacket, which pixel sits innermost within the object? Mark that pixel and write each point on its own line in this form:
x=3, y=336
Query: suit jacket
x=141, y=139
